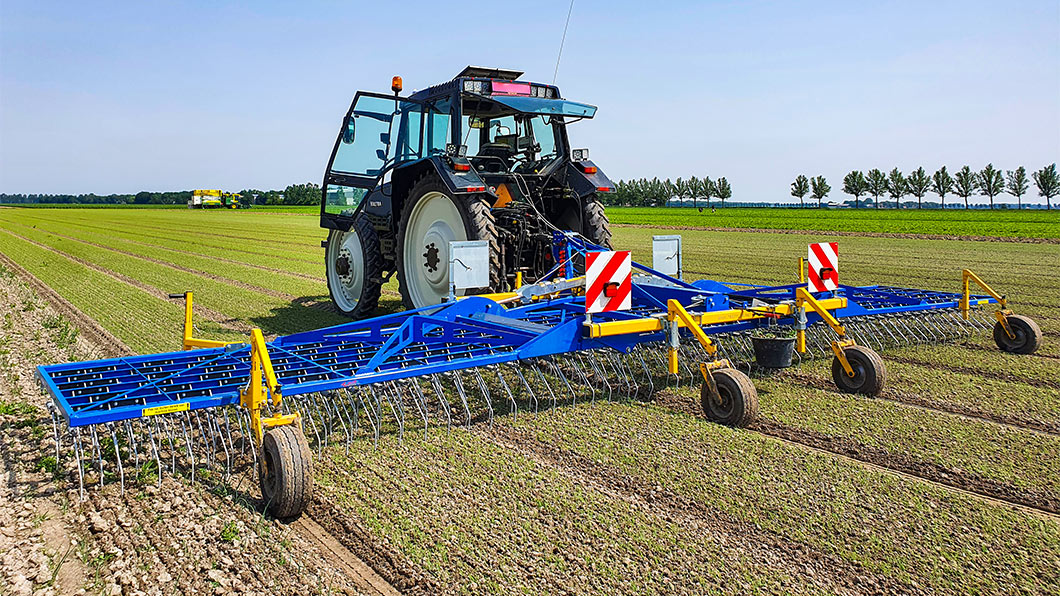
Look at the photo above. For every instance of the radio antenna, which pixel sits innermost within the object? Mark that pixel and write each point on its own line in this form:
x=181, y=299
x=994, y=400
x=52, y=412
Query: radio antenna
x=562, y=39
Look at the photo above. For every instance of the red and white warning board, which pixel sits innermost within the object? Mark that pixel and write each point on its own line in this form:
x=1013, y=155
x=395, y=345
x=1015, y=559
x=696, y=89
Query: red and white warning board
x=608, y=281
x=823, y=275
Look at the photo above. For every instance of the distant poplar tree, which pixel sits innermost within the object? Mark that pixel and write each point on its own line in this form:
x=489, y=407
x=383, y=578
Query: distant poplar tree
x=800, y=187
x=820, y=188
x=1016, y=184
x=723, y=190
x=709, y=189
x=990, y=182
x=942, y=184
x=965, y=183
x=919, y=183
x=876, y=184
x=854, y=184
x=897, y=187
x=1048, y=184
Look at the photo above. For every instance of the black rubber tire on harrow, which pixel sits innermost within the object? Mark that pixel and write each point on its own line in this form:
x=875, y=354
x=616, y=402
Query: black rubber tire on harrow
x=286, y=473
x=870, y=373
x=1028, y=335
x=739, y=399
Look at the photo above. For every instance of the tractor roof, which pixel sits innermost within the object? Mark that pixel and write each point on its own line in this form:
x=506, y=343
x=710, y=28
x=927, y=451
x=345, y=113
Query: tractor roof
x=490, y=73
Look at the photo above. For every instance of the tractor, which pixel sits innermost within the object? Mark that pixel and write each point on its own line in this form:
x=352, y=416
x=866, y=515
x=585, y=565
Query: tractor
x=485, y=157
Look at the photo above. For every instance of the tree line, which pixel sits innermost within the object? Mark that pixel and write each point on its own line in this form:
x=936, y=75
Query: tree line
x=653, y=193
x=988, y=182
x=294, y=194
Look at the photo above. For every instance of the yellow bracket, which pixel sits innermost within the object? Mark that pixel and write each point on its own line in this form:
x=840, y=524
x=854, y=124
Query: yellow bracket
x=804, y=299
x=189, y=341
x=802, y=270
x=965, y=303
x=706, y=367
x=254, y=394
x=676, y=312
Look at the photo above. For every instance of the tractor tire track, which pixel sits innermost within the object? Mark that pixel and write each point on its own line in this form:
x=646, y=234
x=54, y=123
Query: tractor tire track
x=767, y=548
x=221, y=319
x=972, y=238
x=352, y=566
x=928, y=405
x=107, y=343
x=1038, y=504
x=980, y=348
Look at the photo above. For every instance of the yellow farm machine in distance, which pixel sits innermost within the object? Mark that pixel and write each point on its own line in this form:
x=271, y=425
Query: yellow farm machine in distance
x=216, y=199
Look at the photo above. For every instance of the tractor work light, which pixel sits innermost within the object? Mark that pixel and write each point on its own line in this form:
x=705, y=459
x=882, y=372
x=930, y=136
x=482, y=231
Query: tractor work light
x=480, y=87
x=454, y=150
x=579, y=154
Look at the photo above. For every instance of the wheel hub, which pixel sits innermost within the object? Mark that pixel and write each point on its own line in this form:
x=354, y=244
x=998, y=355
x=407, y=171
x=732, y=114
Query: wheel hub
x=431, y=256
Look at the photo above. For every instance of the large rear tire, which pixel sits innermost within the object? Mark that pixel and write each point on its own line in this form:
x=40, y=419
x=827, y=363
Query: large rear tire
x=354, y=269
x=592, y=222
x=431, y=219
x=286, y=474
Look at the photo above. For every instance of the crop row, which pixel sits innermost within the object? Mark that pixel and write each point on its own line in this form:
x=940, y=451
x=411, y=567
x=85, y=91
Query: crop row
x=253, y=226
x=138, y=319
x=903, y=528
x=1019, y=458
x=261, y=248
x=295, y=262
x=1025, y=224
x=482, y=518
x=272, y=314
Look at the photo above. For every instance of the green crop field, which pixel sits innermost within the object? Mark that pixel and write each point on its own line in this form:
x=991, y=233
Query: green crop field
x=949, y=482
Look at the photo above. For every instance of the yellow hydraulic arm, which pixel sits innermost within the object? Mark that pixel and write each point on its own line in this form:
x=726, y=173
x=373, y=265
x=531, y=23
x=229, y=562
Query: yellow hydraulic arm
x=965, y=304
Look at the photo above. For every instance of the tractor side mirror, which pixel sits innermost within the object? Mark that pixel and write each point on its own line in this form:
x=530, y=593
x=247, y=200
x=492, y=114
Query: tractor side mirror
x=347, y=133
x=380, y=154
x=476, y=122
x=384, y=138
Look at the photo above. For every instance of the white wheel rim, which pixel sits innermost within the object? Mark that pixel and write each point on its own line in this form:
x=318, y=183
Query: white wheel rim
x=346, y=289
x=435, y=221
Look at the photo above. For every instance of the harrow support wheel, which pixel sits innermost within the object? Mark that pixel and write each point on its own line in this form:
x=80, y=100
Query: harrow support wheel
x=735, y=402
x=286, y=472
x=1028, y=336
x=870, y=373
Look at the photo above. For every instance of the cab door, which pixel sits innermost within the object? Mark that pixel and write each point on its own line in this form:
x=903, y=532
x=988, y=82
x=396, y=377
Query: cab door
x=378, y=133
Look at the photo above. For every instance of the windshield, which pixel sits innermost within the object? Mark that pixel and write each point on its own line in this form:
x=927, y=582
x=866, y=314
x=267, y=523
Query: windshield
x=514, y=139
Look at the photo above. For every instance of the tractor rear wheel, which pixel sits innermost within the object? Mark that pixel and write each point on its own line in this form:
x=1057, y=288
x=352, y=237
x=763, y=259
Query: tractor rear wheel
x=431, y=219
x=870, y=373
x=736, y=402
x=355, y=269
x=1028, y=335
x=286, y=474
x=592, y=222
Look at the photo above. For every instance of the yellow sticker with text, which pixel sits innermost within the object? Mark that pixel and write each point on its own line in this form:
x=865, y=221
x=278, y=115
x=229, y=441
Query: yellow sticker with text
x=169, y=409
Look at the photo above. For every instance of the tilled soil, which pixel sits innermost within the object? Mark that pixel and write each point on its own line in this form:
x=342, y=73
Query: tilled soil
x=173, y=538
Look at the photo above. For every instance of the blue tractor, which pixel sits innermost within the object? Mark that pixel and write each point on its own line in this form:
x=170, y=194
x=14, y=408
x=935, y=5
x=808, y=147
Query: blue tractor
x=484, y=156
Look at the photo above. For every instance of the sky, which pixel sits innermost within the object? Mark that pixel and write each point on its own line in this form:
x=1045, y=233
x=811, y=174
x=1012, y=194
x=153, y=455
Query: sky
x=121, y=97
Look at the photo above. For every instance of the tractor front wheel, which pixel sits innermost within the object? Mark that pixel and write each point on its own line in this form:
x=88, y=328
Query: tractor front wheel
x=736, y=402
x=1028, y=336
x=870, y=373
x=355, y=269
x=286, y=473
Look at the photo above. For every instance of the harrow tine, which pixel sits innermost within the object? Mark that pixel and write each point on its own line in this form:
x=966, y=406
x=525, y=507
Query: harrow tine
x=155, y=451
x=98, y=452
x=463, y=397
x=485, y=394
x=79, y=454
x=436, y=383
x=117, y=457
x=508, y=390
x=552, y=361
x=598, y=371
x=421, y=404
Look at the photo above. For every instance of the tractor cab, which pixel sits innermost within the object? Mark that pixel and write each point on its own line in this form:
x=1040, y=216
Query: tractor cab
x=494, y=148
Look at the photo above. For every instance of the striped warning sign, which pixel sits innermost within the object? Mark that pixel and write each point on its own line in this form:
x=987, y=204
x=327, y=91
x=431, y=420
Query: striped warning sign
x=608, y=281
x=823, y=273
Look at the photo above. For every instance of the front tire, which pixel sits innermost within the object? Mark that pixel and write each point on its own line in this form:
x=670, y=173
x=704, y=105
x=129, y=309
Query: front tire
x=354, y=269
x=431, y=219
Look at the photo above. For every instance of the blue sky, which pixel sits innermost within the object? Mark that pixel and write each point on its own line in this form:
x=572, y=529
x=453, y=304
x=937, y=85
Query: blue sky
x=121, y=97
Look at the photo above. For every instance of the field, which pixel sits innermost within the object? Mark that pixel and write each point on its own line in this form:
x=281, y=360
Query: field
x=948, y=483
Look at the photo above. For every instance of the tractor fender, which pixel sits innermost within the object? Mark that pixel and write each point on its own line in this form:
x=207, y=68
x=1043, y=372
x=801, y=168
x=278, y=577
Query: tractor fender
x=457, y=182
x=584, y=178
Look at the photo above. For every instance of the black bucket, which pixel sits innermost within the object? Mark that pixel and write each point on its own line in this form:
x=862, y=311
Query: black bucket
x=773, y=352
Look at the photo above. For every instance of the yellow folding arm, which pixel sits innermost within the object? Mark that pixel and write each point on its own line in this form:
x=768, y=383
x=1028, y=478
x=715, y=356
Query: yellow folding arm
x=189, y=341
